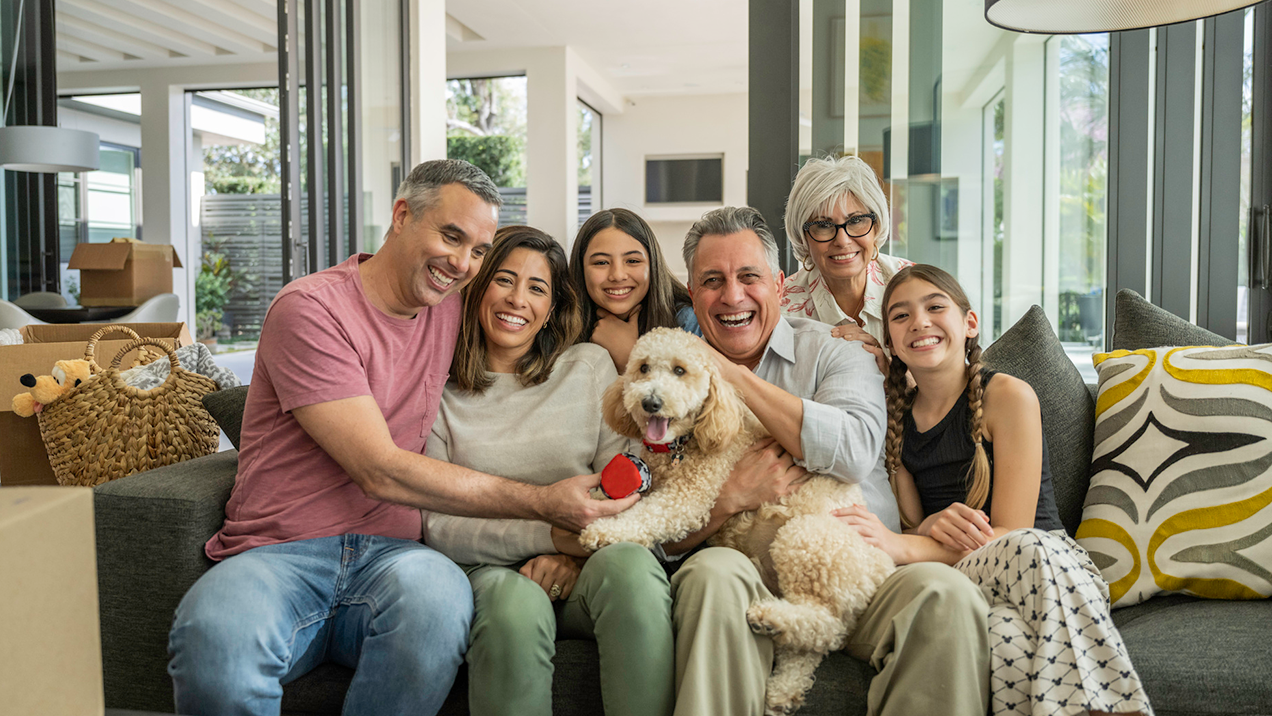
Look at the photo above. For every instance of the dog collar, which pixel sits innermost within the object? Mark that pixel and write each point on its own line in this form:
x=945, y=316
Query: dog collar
x=676, y=446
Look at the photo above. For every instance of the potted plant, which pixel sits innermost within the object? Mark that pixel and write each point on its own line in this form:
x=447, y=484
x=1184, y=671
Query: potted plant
x=211, y=293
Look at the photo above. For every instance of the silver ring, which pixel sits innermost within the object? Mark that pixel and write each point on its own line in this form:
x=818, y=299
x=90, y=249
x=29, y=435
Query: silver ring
x=554, y=592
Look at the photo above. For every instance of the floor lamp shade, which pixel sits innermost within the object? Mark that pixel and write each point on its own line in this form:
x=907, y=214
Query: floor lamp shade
x=1080, y=16
x=34, y=148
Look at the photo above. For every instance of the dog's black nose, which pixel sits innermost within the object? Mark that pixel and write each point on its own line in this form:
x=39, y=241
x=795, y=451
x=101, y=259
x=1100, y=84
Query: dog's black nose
x=651, y=404
x=28, y=380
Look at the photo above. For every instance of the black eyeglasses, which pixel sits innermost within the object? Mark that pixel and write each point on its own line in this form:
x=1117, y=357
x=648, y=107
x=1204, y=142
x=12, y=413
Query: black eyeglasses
x=855, y=227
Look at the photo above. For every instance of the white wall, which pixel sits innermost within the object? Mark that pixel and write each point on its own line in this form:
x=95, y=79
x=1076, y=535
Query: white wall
x=675, y=124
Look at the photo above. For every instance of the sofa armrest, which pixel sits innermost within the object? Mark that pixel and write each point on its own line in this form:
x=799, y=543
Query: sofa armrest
x=151, y=528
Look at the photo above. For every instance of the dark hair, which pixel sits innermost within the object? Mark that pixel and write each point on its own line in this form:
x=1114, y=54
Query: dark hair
x=559, y=332
x=666, y=294
x=901, y=398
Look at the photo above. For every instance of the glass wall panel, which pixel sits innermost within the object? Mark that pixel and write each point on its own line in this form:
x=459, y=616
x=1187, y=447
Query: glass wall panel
x=991, y=145
x=381, y=116
x=1247, y=149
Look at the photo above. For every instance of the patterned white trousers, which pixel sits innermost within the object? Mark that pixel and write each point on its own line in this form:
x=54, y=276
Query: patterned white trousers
x=1054, y=647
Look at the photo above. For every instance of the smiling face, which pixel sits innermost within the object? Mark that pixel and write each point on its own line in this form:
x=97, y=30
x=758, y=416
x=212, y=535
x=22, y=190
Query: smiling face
x=844, y=257
x=616, y=269
x=926, y=328
x=441, y=250
x=516, y=304
x=735, y=295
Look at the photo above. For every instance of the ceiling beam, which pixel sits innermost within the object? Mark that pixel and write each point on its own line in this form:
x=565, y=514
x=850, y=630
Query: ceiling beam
x=90, y=50
x=226, y=14
x=175, y=42
x=74, y=27
x=178, y=20
x=69, y=60
x=264, y=8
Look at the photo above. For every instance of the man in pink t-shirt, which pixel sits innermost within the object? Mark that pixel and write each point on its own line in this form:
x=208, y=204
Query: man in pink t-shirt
x=320, y=558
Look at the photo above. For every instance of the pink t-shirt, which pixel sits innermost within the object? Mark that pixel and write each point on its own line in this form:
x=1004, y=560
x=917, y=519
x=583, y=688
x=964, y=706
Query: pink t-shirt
x=323, y=340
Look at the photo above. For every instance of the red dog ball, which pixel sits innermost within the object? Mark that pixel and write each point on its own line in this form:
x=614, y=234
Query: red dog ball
x=624, y=475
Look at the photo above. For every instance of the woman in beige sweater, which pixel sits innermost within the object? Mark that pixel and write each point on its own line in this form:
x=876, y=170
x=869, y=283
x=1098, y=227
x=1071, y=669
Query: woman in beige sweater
x=525, y=402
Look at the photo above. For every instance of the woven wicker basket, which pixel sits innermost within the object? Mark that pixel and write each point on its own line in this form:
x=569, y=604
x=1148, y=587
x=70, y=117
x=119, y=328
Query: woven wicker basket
x=104, y=429
x=143, y=357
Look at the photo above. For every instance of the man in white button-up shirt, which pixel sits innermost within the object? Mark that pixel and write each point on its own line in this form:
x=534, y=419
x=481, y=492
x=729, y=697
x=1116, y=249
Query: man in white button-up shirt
x=822, y=400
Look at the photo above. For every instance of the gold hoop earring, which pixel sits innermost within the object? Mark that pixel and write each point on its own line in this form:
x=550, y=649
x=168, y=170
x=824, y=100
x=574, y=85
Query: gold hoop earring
x=807, y=264
x=876, y=256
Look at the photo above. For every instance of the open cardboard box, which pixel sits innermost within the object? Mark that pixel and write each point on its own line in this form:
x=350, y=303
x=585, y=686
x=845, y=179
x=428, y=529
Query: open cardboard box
x=123, y=272
x=23, y=460
x=51, y=654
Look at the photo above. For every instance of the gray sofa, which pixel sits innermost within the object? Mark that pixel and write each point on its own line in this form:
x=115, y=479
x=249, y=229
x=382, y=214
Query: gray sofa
x=1195, y=656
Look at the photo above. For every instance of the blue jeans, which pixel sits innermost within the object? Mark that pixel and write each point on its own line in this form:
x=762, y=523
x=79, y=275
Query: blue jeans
x=396, y=611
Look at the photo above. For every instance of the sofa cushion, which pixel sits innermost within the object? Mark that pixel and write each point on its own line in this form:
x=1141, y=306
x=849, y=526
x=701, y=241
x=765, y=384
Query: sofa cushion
x=1137, y=324
x=1198, y=656
x=1181, y=473
x=226, y=408
x=1031, y=351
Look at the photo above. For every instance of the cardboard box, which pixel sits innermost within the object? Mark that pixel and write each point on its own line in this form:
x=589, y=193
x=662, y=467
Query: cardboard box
x=123, y=272
x=23, y=460
x=51, y=654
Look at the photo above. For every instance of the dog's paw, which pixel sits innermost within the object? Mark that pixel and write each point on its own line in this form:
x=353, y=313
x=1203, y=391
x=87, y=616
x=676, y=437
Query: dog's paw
x=757, y=617
x=593, y=539
x=784, y=708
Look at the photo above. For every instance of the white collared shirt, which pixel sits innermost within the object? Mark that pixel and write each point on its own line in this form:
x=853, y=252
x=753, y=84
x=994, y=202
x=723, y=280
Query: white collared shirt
x=805, y=294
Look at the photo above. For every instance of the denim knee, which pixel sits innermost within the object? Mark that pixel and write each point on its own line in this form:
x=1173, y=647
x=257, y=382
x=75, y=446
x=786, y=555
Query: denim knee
x=433, y=600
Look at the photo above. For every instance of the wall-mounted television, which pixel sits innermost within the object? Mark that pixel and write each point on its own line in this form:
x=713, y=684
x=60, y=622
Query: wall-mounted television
x=689, y=179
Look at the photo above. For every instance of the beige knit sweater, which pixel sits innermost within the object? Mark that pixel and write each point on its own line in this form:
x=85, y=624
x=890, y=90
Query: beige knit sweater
x=537, y=435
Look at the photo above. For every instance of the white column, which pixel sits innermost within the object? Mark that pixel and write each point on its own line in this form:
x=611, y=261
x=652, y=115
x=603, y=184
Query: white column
x=1022, y=181
x=428, y=80
x=552, y=182
x=165, y=217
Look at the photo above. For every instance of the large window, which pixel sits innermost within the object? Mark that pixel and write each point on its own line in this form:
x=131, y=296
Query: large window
x=486, y=125
x=589, y=150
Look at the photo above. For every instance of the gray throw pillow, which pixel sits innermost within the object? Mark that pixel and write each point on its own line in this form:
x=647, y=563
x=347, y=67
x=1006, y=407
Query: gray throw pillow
x=226, y=408
x=1031, y=351
x=1138, y=324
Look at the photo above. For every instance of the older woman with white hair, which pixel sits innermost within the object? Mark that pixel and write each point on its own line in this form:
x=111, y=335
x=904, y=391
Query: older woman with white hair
x=836, y=221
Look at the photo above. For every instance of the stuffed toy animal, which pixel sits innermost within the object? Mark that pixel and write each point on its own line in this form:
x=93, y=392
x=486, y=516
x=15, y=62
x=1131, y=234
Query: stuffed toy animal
x=67, y=374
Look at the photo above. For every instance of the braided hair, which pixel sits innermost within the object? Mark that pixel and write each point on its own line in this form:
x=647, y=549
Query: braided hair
x=901, y=395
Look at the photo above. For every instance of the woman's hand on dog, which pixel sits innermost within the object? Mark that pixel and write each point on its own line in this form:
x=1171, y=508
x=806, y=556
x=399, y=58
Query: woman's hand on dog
x=958, y=527
x=547, y=570
x=873, y=531
x=764, y=473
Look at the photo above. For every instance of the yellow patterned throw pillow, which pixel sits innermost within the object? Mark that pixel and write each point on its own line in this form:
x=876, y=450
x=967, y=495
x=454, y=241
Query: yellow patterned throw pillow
x=1181, y=474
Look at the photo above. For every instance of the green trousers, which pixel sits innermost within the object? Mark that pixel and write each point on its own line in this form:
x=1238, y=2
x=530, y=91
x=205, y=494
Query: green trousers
x=622, y=600
x=925, y=633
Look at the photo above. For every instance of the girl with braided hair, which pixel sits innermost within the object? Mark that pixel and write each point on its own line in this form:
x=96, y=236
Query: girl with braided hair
x=992, y=515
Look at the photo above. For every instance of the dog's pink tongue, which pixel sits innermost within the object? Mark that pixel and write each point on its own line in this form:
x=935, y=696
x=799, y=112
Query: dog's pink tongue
x=657, y=429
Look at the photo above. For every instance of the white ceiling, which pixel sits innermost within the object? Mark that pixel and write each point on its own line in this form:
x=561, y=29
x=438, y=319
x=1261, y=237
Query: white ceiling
x=642, y=46
x=124, y=34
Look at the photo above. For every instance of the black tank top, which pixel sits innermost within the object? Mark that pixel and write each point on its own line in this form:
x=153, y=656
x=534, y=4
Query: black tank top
x=939, y=460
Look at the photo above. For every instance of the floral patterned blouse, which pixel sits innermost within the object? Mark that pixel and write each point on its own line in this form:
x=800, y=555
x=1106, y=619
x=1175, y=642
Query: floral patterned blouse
x=805, y=294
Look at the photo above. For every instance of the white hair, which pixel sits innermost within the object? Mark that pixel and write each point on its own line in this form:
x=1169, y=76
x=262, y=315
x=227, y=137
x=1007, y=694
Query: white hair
x=731, y=220
x=821, y=186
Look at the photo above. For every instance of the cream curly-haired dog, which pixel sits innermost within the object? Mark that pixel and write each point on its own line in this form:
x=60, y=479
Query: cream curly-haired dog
x=695, y=427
